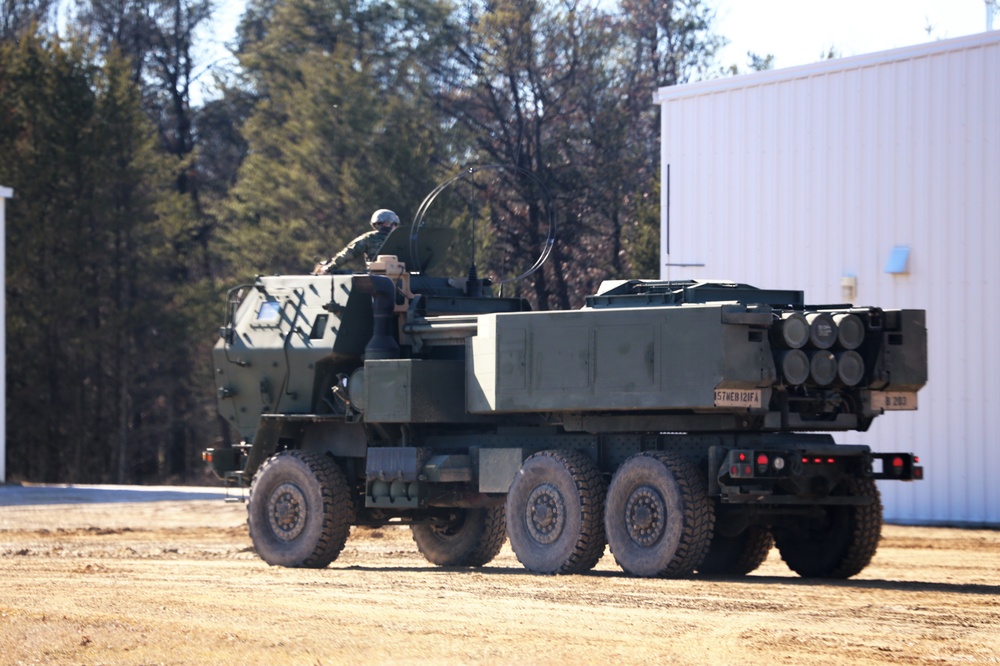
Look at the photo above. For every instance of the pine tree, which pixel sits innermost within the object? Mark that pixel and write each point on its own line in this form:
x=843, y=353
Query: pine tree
x=92, y=348
x=340, y=128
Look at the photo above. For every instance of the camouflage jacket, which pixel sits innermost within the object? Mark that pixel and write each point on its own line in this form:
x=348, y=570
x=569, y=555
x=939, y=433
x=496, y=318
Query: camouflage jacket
x=366, y=245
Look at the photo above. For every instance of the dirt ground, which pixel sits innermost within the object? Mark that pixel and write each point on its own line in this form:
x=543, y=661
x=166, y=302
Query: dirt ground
x=177, y=582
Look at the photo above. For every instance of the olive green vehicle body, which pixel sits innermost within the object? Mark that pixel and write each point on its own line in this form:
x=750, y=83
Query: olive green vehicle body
x=432, y=396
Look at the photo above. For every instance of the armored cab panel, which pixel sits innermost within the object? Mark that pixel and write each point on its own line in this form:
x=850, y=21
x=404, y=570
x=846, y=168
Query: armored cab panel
x=414, y=391
x=266, y=358
x=693, y=357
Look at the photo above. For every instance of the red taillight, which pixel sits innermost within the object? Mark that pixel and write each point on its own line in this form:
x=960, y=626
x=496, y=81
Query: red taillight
x=743, y=457
x=762, y=459
x=916, y=460
x=819, y=461
x=748, y=471
x=734, y=471
x=897, y=462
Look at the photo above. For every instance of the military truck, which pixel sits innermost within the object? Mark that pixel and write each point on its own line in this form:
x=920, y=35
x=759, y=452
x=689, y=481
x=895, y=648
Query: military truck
x=684, y=424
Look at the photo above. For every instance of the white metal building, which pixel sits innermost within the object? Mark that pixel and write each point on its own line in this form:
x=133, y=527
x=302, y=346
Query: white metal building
x=873, y=179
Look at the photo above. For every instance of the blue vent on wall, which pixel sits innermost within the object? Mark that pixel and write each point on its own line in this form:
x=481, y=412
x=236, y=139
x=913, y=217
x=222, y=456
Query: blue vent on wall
x=899, y=260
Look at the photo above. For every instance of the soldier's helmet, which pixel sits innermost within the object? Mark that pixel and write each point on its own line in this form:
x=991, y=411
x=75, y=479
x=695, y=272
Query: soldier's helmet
x=384, y=218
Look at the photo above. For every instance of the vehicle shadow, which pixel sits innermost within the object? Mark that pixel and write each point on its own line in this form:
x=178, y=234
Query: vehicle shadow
x=871, y=584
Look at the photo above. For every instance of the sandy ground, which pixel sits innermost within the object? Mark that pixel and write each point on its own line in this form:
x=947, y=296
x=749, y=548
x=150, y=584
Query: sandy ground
x=161, y=579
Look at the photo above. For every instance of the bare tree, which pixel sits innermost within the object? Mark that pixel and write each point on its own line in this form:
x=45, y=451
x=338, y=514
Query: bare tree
x=17, y=16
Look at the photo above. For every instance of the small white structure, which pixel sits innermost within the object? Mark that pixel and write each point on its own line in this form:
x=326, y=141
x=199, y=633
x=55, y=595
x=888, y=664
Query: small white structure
x=5, y=193
x=876, y=180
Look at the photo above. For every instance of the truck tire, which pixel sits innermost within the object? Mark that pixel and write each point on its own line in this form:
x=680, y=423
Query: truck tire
x=658, y=517
x=554, y=513
x=473, y=538
x=737, y=555
x=300, y=510
x=840, y=546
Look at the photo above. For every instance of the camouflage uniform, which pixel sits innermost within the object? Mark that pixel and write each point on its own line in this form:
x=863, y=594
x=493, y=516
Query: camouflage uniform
x=366, y=245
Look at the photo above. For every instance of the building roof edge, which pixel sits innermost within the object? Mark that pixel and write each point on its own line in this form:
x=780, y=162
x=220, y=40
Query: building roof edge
x=670, y=93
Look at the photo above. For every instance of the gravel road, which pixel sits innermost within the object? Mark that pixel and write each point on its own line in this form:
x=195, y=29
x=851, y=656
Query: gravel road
x=99, y=575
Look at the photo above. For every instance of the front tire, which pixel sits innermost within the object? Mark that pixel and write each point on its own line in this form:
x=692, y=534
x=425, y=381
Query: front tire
x=300, y=510
x=554, y=513
x=658, y=517
x=840, y=545
x=472, y=538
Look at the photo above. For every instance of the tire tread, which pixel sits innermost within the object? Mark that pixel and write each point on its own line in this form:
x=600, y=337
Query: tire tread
x=338, y=507
x=492, y=532
x=590, y=489
x=860, y=544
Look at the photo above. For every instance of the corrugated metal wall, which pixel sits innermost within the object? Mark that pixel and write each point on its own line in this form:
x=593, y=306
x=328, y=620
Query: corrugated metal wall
x=795, y=178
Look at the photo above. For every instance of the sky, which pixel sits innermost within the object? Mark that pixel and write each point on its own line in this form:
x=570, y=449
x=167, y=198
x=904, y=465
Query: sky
x=796, y=32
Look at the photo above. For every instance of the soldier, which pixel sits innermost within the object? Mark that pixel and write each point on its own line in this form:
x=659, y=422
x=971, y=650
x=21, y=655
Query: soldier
x=367, y=244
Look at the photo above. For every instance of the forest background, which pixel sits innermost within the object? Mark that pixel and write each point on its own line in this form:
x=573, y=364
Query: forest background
x=137, y=207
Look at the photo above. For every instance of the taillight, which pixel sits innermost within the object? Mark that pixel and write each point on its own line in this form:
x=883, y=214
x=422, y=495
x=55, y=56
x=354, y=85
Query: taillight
x=751, y=464
x=741, y=464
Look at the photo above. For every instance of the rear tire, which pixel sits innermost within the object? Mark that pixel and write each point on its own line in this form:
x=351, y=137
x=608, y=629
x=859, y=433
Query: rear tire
x=471, y=539
x=737, y=555
x=554, y=513
x=300, y=510
x=658, y=516
x=842, y=544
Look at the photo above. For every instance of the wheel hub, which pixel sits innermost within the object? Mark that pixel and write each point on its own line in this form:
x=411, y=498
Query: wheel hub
x=645, y=516
x=545, y=513
x=448, y=530
x=286, y=511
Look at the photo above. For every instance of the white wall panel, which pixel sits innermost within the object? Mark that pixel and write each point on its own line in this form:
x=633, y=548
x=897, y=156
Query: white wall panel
x=794, y=178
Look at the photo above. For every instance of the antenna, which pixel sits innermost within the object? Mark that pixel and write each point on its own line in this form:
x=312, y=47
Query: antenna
x=473, y=287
